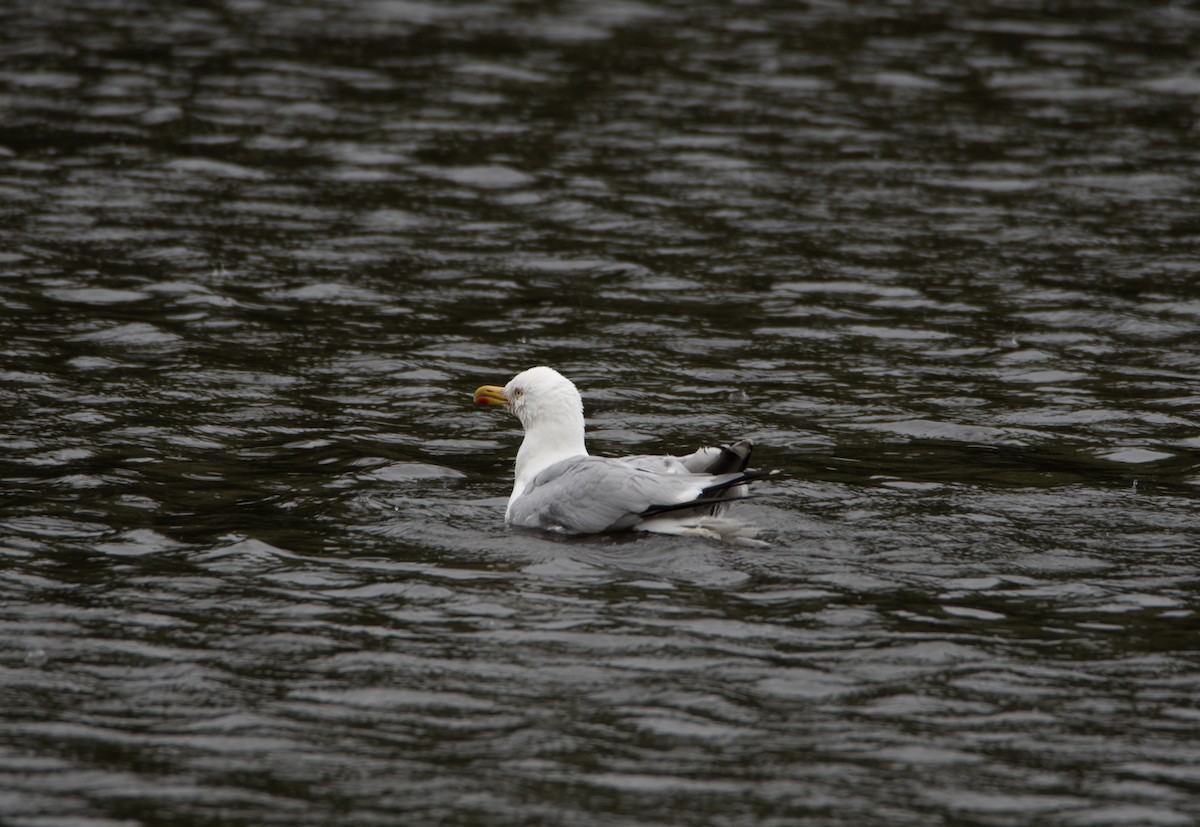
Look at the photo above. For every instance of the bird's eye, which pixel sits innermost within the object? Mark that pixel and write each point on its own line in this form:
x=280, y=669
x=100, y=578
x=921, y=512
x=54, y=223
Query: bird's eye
x=517, y=393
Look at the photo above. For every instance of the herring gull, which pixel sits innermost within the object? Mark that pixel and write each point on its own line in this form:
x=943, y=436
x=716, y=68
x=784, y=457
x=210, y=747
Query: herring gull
x=559, y=487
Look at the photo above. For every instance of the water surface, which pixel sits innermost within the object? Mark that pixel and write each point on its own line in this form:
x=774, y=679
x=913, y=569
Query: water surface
x=939, y=262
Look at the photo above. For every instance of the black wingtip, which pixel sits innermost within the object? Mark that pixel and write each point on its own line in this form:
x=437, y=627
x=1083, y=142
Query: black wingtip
x=740, y=479
x=707, y=504
x=714, y=496
x=733, y=458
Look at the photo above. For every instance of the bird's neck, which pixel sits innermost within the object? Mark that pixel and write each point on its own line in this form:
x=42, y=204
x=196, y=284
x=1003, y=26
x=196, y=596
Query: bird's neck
x=546, y=442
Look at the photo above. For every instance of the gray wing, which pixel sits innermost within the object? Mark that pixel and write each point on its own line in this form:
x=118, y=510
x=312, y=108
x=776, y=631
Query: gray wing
x=590, y=495
x=721, y=459
x=659, y=464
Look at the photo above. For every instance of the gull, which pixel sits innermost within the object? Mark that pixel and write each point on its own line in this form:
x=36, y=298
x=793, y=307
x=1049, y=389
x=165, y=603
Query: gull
x=561, y=488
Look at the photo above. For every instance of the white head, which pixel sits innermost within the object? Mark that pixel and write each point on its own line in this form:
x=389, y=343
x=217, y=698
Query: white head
x=538, y=396
x=541, y=395
x=551, y=412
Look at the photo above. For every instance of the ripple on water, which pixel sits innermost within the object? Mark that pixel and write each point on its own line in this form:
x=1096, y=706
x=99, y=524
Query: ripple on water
x=255, y=562
x=133, y=334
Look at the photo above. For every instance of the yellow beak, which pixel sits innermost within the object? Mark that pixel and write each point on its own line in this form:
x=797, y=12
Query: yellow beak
x=491, y=395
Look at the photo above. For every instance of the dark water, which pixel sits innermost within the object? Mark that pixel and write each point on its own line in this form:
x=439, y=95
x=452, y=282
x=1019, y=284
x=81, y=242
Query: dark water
x=939, y=260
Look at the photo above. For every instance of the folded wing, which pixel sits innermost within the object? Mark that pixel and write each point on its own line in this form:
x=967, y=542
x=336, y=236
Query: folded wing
x=722, y=459
x=588, y=495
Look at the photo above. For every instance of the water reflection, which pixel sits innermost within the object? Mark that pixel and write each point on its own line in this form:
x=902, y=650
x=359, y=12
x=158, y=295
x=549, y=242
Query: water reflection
x=938, y=262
